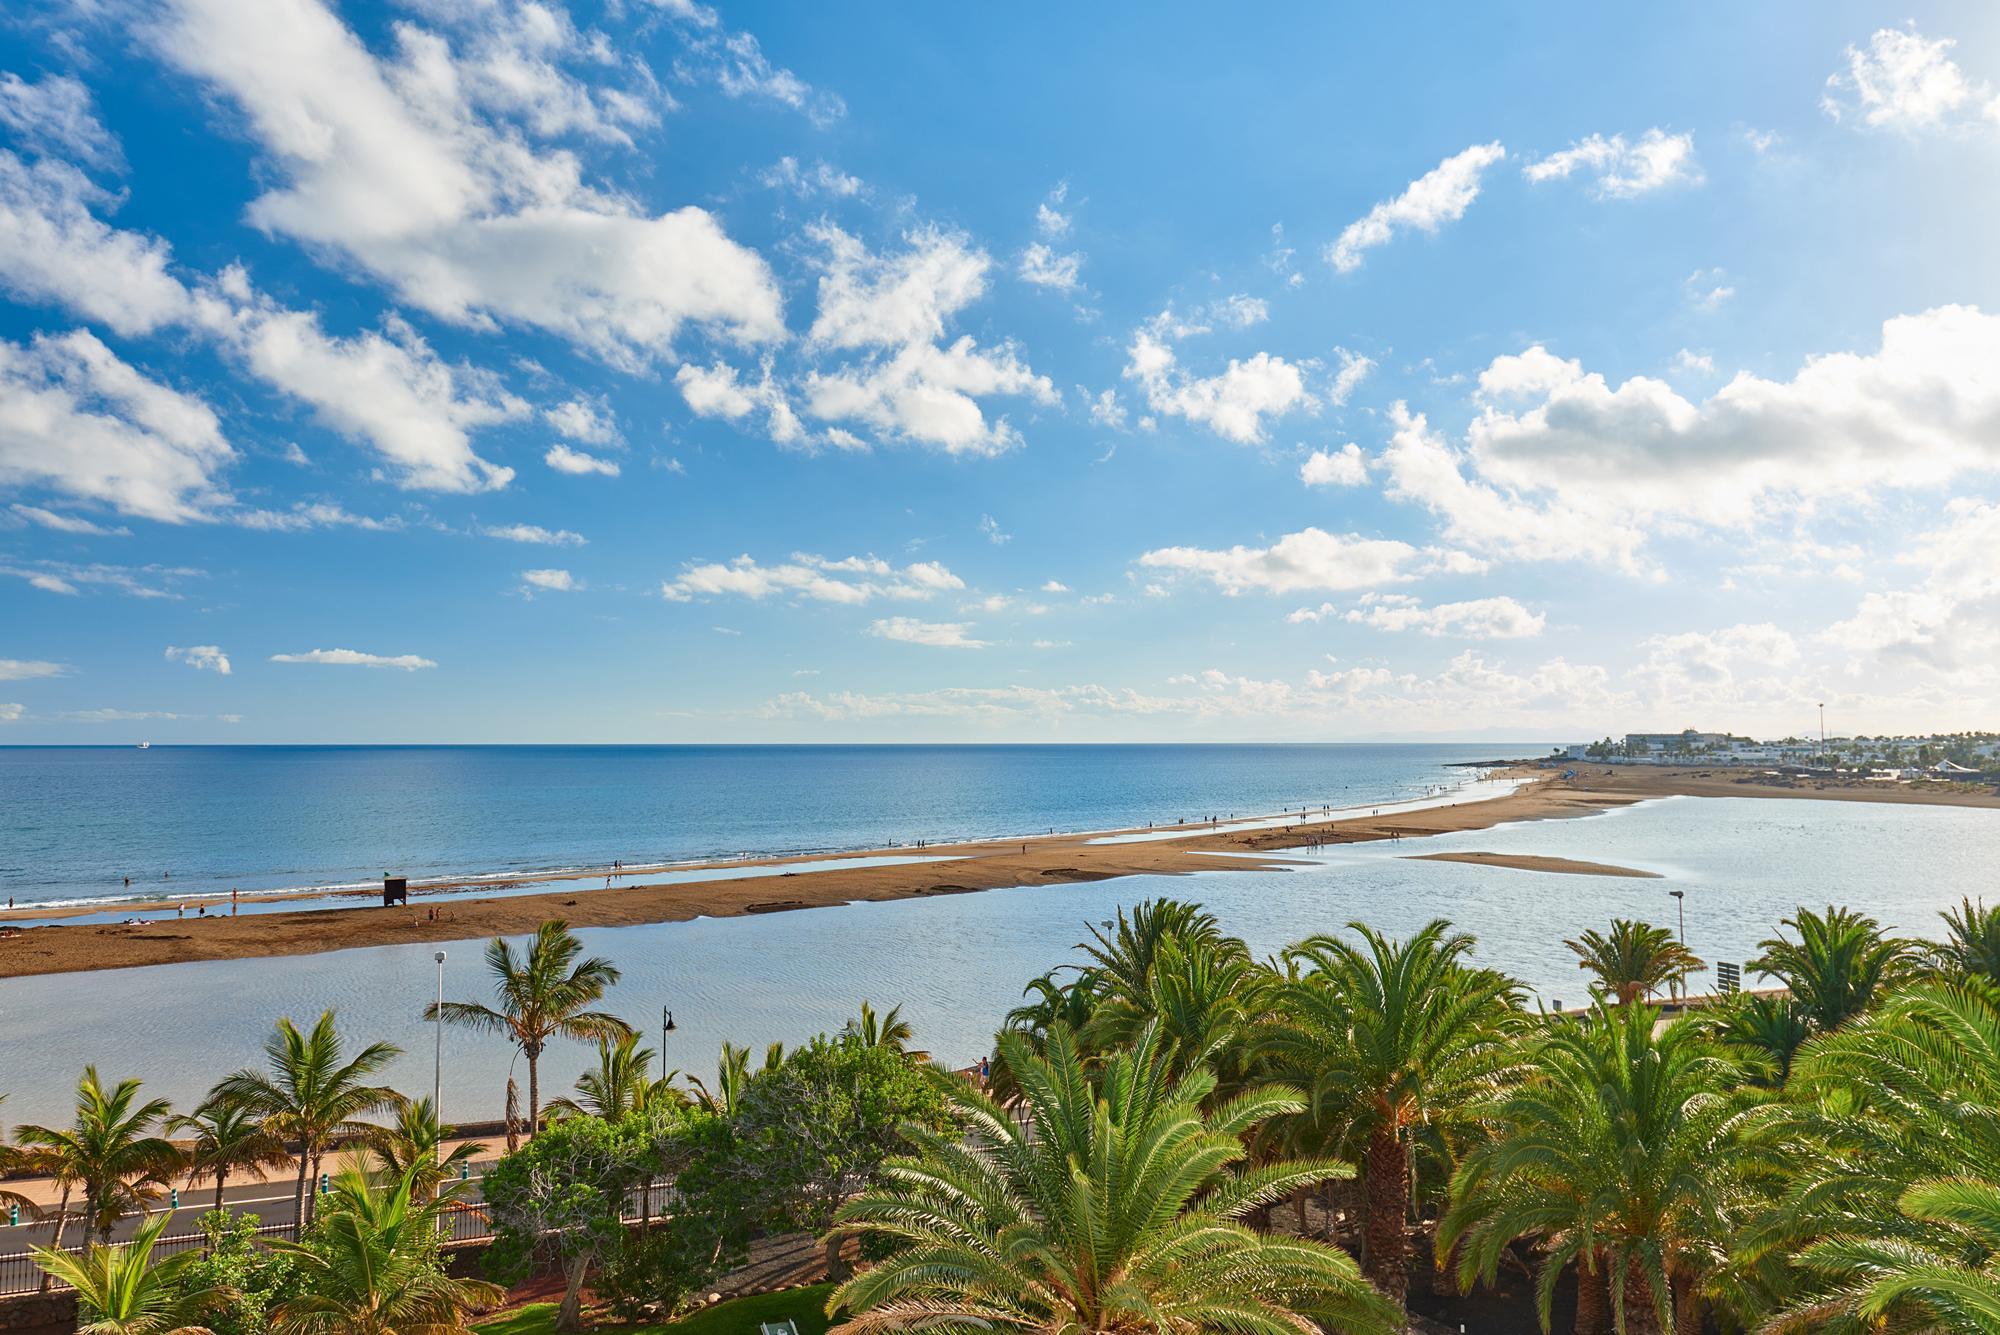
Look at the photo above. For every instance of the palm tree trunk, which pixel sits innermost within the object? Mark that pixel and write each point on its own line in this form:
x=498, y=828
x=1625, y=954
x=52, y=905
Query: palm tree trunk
x=1593, y=1298
x=1641, y=1316
x=1299, y=1209
x=312, y=1188
x=299, y=1194
x=513, y=1115
x=221, y=1180
x=534, y=1098
x=55, y=1234
x=836, y=1267
x=1687, y=1307
x=1386, y=1262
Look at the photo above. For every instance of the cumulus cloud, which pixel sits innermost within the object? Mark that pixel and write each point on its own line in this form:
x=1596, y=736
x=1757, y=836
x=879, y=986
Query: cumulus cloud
x=391, y=164
x=1310, y=559
x=76, y=419
x=201, y=657
x=1623, y=170
x=851, y=580
x=1441, y=195
x=66, y=523
x=355, y=658
x=821, y=178
x=30, y=669
x=1234, y=403
x=386, y=390
x=53, y=249
x=1500, y=618
x=54, y=117
x=577, y=463
x=533, y=533
x=1904, y=81
x=936, y=634
x=895, y=310
x=549, y=581
x=1949, y=620
x=1345, y=467
x=586, y=420
x=721, y=391
x=1044, y=266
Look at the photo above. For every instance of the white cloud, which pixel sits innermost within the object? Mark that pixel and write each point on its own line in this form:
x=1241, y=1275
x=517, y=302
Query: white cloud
x=1345, y=467
x=1354, y=369
x=1055, y=586
x=719, y=391
x=390, y=164
x=743, y=70
x=30, y=669
x=148, y=581
x=936, y=634
x=1239, y=311
x=1439, y=196
x=1310, y=559
x=12, y=713
x=821, y=178
x=896, y=308
x=355, y=658
x=585, y=420
x=53, y=250
x=994, y=534
x=534, y=533
x=201, y=657
x=1500, y=618
x=1695, y=363
x=1105, y=409
x=54, y=118
x=1045, y=267
x=1949, y=620
x=1904, y=81
x=1232, y=404
x=62, y=523
x=549, y=581
x=1624, y=170
x=76, y=419
x=852, y=580
x=576, y=463
x=306, y=515
x=1561, y=463
x=1707, y=289
x=388, y=390
x=1050, y=221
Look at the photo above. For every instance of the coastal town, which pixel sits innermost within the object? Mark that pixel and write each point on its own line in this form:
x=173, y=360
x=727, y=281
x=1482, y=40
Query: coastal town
x=1951, y=757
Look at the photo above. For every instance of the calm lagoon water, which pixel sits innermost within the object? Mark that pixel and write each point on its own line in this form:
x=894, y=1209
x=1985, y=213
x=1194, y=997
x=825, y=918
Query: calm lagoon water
x=957, y=963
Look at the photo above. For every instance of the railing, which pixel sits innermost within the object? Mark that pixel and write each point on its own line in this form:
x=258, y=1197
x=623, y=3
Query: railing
x=466, y=1222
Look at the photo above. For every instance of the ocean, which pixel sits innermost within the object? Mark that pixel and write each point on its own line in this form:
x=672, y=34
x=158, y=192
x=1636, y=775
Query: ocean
x=75, y=822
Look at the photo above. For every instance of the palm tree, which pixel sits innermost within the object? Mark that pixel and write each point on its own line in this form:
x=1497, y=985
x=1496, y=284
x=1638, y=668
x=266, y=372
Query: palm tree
x=1116, y=1207
x=1974, y=944
x=309, y=1095
x=1765, y=1031
x=541, y=996
x=1634, y=960
x=13, y=1159
x=1615, y=1157
x=1401, y=1045
x=1838, y=964
x=371, y=1267
x=1202, y=996
x=415, y=1146
x=1881, y=1227
x=887, y=1030
x=111, y=1151
x=121, y=1291
x=1122, y=952
x=732, y=1075
x=229, y=1138
x=621, y=1082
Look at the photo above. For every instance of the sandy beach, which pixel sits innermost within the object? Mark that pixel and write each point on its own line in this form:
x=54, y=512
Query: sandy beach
x=583, y=901
x=1533, y=862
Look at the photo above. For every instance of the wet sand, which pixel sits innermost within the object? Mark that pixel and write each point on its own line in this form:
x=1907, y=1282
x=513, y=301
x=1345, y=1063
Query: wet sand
x=1049, y=860
x=1536, y=862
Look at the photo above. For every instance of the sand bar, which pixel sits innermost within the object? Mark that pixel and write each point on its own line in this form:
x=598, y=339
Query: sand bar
x=1535, y=862
x=1046, y=861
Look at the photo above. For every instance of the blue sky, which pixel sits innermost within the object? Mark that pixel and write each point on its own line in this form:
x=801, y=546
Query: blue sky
x=490, y=370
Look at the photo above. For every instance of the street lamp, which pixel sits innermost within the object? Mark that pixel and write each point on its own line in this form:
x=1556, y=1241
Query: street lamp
x=1680, y=902
x=667, y=1026
x=437, y=1071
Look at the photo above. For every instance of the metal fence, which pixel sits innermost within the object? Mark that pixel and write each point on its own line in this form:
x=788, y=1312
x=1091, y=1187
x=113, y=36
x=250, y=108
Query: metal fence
x=466, y=1222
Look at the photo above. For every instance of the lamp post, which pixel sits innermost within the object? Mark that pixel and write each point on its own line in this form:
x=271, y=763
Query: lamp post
x=437, y=1069
x=667, y=1026
x=1680, y=902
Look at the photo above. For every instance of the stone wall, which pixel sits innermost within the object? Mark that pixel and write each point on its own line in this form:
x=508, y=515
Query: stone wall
x=38, y=1314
